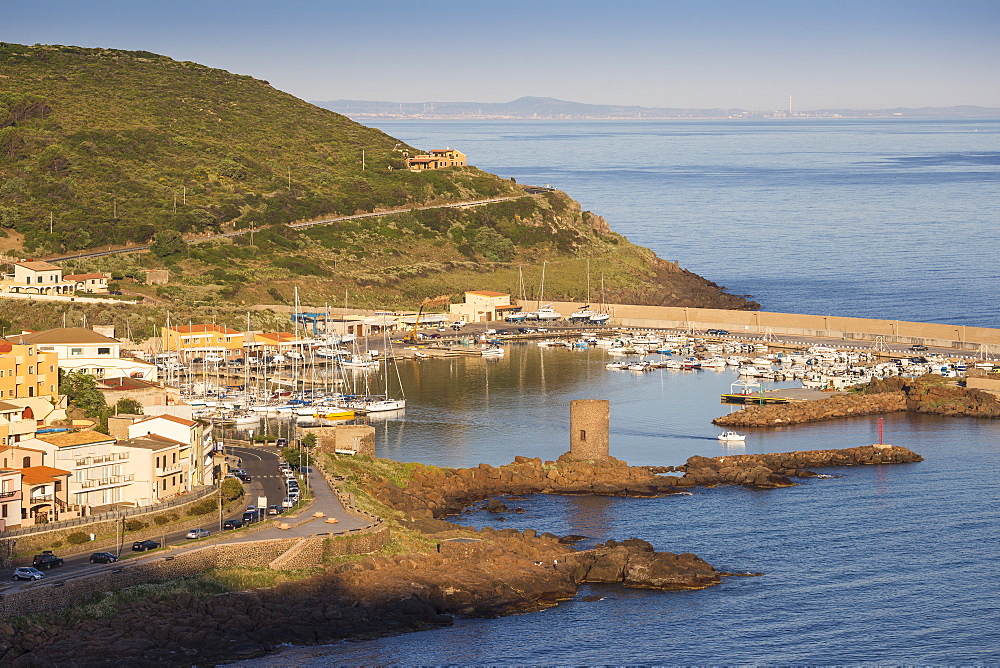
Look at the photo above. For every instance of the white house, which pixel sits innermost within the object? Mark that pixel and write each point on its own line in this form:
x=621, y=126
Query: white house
x=84, y=350
x=38, y=277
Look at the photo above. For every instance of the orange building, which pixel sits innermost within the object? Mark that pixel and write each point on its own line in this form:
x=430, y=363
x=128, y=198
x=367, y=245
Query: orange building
x=440, y=158
x=203, y=339
x=27, y=372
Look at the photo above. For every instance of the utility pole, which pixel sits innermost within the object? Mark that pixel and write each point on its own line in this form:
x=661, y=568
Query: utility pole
x=362, y=160
x=50, y=222
x=289, y=178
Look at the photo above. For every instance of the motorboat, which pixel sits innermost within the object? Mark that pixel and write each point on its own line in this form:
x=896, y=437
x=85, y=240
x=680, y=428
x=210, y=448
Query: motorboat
x=732, y=437
x=546, y=313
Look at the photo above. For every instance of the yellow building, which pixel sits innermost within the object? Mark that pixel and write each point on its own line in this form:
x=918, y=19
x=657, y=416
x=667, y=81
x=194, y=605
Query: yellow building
x=437, y=159
x=483, y=306
x=196, y=339
x=27, y=372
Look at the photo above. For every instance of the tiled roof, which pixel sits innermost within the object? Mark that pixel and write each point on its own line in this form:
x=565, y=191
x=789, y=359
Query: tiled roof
x=38, y=265
x=70, y=438
x=486, y=293
x=82, y=277
x=201, y=329
x=172, y=418
x=36, y=475
x=64, y=335
x=150, y=442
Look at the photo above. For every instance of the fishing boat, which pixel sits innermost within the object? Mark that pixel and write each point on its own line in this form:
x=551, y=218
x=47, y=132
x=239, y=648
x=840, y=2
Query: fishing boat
x=732, y=437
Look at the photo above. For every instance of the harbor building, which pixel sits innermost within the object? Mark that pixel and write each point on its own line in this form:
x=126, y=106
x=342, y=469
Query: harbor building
x=483, y=306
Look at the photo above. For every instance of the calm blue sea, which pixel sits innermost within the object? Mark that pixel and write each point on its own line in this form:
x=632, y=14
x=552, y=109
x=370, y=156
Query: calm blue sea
x=893, y=219
x=879, y=565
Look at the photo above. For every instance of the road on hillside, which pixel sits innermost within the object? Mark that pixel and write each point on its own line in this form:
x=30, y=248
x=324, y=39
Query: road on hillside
x=309, y=223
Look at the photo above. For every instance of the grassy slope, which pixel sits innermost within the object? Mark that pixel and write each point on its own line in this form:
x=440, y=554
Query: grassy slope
x=114, y=147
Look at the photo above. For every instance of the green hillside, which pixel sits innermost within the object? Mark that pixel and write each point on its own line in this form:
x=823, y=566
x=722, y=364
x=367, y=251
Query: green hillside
x=100, y=147
x=111, y=146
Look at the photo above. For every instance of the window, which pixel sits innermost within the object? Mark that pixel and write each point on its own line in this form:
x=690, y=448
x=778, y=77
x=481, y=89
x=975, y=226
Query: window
x=104, y=351
x=583, y=434
x=26, y=462
x=76, y=351
x=3, y=513
x=31, y=369
x=58, y=485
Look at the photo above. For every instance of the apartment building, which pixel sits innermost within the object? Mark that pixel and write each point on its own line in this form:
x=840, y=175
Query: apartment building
x=27, y=371
x=199, y=340
x=85, y=351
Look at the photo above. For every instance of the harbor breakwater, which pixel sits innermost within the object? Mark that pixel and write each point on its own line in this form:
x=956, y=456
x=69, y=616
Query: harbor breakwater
x=764, y=323
x=929, y=394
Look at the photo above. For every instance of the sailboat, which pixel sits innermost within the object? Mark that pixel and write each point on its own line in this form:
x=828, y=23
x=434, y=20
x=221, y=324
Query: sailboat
x=380, y=403
x=544, y=312
x=602, y=316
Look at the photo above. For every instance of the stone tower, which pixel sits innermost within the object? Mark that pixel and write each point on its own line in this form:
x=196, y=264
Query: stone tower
x=588, y=428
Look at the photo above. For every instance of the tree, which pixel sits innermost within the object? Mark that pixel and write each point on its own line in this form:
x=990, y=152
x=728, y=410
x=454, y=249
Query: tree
x=168, y=242
x=81, y=390
x=130, y=406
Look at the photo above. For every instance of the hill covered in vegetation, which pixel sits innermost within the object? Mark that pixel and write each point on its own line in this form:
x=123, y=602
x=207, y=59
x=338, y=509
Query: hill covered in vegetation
x=103, y=147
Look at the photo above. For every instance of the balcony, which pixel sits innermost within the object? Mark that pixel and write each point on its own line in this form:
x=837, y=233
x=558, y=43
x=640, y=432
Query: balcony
x=169, y=469
x=10, y=496
x=102, y=459
x=22, y=427
x=110, y=481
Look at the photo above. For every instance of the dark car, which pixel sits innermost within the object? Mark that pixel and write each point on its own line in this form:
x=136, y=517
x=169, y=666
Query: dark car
x=274, y=510
x=232, y=524
x=143, y=545
x=197, y=360
x=245, y=477
x=251, y=516
x=103, y=558
x=46, y=560
x=281, y=443
x=918, y=348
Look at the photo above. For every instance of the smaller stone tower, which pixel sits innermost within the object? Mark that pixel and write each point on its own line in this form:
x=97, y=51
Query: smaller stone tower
x=589, y=421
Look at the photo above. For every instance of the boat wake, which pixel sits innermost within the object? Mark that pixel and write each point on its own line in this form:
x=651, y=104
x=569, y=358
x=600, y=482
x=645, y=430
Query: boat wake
x=652, y=434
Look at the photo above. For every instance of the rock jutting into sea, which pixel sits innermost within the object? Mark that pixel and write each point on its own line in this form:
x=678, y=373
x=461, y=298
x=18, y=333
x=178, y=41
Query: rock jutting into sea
x=928, y=394
x=456, y=571
x=439, y=492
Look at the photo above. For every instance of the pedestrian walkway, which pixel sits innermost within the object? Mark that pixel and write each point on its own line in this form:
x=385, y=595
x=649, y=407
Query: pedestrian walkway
x=304, y=524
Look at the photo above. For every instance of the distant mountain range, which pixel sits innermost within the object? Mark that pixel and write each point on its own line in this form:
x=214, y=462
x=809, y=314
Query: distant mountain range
x=548, y=107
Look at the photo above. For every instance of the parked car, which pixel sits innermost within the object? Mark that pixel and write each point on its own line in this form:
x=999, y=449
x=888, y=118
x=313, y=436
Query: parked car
x=274, y=510
x=916, y=347
x=28, y=573
x=197, y=360
x=232, y=524
x=143, y=545
x=288, y=502
x=244, y=477
x=103, y=558
x=251, y=516
x=198, y=533
x=46, y=560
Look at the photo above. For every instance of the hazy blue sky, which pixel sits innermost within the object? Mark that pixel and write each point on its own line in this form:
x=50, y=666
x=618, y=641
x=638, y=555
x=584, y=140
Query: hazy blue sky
x=686, y=53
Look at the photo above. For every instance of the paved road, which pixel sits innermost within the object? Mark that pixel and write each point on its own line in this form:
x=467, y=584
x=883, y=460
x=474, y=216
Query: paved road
x=262, y=465
x=311, y=223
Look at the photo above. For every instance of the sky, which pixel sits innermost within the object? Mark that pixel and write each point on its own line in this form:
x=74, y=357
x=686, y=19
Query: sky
x=749, y=54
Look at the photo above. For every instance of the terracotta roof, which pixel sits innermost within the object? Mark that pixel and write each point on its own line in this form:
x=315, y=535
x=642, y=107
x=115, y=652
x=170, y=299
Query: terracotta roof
x=38, y=265
x=65, y=335
x=18, y=446
x=486, y=293
x=70, y=438
x=151, y=442
x=196, y=329
x=36, y=475
x=172, y=418
x=125, y=383
x=82, y=277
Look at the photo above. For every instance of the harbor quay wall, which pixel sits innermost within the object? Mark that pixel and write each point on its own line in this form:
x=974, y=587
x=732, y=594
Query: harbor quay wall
x=795, y=324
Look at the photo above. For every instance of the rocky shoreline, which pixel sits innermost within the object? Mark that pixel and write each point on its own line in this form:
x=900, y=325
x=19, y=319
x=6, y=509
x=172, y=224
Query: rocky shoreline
x=931, y=395
x=467, y=573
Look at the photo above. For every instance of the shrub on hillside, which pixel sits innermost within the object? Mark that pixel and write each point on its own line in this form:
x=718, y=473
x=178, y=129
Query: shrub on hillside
x=77, y=538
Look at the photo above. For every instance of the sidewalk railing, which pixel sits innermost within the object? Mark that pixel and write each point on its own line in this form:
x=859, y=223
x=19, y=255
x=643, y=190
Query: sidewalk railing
x=194, y=495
